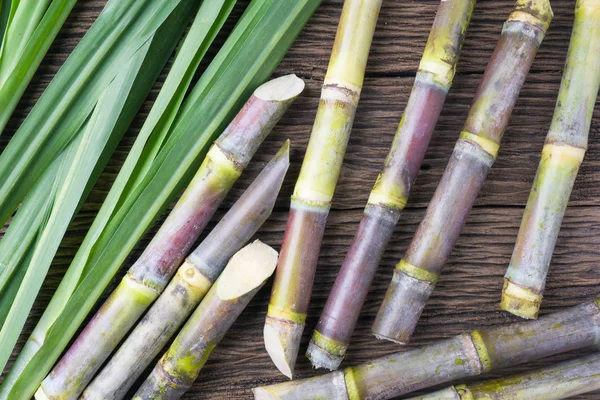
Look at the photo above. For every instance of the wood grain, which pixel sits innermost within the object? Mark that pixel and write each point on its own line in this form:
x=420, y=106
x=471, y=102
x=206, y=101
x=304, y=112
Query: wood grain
x=469, y=290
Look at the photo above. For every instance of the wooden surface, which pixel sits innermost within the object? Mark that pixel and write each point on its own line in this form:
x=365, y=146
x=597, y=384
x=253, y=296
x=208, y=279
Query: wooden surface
x=469, y=291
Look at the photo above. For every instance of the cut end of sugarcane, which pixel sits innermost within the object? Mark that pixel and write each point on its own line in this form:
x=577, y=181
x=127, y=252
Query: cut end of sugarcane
x=380, y=336
x=321, y=358
x=263, y=394
x=284, y=151
x=40, y=395
x=247, y=269
x=282, y=342
x=520, y=301
x=280, y=89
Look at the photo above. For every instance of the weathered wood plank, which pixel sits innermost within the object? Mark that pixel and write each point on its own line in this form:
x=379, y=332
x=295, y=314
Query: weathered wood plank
x=468, y=293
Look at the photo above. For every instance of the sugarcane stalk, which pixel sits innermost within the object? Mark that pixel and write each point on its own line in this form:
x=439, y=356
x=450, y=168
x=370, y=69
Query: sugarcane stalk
x=562, y=155
x=468, y=354
x=149, y=275
x=179, y=367
x=474, y=153
x=566, y=379
x=191, y=283
x=332, y=335
x=316, y=184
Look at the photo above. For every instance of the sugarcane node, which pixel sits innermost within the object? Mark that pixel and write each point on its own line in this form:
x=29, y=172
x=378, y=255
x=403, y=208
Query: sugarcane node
x=519, y=300
x=193, y=276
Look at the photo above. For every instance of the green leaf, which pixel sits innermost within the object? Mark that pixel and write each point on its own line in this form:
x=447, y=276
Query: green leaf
x=120, y=30
x=76, y=169
x=20, y=58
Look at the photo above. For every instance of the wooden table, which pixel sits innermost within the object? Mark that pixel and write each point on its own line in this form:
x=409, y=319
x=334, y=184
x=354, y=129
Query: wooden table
x=468, y=293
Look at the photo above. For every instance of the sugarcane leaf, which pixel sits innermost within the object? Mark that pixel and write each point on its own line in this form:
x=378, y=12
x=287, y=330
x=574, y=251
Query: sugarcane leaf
x=13, y=87
x=25, y=17
x=4, y=14
x=25, y=225
x=7, y=296
x=211, y=18
x=69, y=99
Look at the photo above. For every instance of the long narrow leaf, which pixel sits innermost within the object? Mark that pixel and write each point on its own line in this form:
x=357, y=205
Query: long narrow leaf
x=14, y=80
x=78, y=170
x=121, y=29
x=24, y=20
x=251, y=53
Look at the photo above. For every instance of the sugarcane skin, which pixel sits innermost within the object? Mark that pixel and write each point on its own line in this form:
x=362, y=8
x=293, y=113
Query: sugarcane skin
x=559, y=381
x=551, y=189
x=473, y=156
x=436, y=68
x=320, y=170
x=561, y=157
x=464, y=355
x=180, y=366
x=193, y=281
x=339, y=98
x=140, y=287
x=216, y=175
x=391, y=190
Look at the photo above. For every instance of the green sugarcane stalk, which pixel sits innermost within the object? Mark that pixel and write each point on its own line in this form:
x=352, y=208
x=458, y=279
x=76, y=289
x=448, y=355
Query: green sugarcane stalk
x=177, y=370
x=556, y=382
x=317, y=181
x=468, y=354
x=191, y=283
x=331, y=338
x=150, y=274
x=473, y=156
x=562, y=155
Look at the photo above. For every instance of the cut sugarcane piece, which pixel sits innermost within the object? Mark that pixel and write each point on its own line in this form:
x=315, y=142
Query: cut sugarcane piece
x=388, y=198
x=560, y=381
x=468, y=354
x=316, y=184
x=192, y=281
x=177, y=370
x=474, y=153
x=149, y=275
x=562, y=155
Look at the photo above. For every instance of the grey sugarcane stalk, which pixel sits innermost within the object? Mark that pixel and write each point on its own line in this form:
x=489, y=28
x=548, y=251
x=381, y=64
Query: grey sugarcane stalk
x=191, y=283
x=468, y=354
x=316, y=184
x=560, y=381
x=149, y=275
x=179, y=367
x=562, y=155
x=474, y=153
x=390, y=193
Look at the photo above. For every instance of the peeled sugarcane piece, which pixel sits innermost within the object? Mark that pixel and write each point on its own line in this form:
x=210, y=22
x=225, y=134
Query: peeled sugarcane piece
x=191, y=283
x=465, y=355
x=177, y=370
x=314, y=189
x=476, y=150
x=556, y=382
x=149, y=275
x=388, y=198
x=562, y=155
